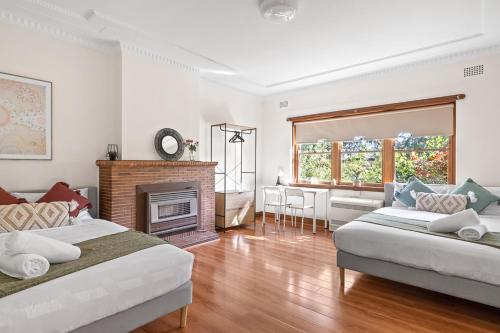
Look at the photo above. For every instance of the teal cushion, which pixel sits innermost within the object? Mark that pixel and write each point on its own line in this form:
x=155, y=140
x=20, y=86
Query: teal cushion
x=414, y=184
x=482, y=195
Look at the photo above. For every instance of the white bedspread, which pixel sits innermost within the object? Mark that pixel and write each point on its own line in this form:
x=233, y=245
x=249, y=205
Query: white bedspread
x=444, y=255
x=77, y=299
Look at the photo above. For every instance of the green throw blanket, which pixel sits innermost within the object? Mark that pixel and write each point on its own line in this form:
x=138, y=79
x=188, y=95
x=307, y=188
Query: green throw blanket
x=94, y=251
x=490, y=239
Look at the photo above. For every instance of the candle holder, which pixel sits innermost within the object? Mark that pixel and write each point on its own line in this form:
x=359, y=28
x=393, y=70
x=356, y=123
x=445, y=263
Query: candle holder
x=112, y=153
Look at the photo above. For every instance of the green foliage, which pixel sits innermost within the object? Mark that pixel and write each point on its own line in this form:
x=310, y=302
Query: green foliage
x=424, y=157
x=317, y=165
x=417, y=158
x=366, y=167
x=315, y=161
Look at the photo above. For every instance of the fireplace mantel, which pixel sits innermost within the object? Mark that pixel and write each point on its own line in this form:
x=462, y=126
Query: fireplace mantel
x=153, y=163
x=119, y=180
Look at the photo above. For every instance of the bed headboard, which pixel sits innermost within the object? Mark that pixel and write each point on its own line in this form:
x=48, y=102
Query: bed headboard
x=442, y=188
x=388, y=194
x=92, y=196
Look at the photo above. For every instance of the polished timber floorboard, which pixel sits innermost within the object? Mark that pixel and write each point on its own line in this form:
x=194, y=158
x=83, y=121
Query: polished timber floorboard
x=287, y=282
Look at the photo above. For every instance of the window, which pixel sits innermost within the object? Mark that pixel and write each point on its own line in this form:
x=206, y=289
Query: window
x=315, y=161
x=425, y=157
x=361, y=160
x=417, y=138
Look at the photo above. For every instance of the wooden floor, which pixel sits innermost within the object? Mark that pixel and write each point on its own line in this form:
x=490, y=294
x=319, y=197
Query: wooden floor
x=287, y=282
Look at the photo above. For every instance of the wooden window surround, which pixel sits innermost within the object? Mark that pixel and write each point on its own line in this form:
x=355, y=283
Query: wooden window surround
x=387, y=147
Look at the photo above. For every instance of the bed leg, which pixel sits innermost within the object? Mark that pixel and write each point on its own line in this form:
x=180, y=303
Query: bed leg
x=342, y=276
x=184, y=316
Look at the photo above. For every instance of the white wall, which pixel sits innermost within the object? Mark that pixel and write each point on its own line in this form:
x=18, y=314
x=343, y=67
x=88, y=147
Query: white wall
x=154, y=96
x=85, y=113
x=101, y=98
x=478, y=116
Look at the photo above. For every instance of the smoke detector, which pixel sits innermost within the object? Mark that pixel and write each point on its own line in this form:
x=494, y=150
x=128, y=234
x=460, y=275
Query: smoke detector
x=278, y=11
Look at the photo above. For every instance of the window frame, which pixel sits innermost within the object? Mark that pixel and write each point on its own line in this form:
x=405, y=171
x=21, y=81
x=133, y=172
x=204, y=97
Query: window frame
x=388, y=147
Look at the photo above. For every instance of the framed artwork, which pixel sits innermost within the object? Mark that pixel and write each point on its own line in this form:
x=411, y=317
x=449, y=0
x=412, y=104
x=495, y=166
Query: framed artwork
x=25, y=118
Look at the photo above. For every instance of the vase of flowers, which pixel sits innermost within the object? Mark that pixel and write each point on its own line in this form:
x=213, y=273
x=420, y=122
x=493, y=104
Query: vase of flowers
x=356, y=177
x=192, y=146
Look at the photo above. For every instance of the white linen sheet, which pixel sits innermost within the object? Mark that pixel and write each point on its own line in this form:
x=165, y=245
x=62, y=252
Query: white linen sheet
x=444, y=255
x=80, y=298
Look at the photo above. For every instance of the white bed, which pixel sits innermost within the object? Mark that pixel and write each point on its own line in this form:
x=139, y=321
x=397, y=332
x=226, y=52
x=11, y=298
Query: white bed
x=98, y=292
x=443, y=255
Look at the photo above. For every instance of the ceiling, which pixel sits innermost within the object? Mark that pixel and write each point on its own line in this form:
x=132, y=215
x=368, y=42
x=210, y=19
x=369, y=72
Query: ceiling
x=328, y=40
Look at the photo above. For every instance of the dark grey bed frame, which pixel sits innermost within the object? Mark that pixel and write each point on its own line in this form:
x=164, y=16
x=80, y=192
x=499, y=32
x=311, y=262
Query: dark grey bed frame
x=451, y=285
x=141, y=314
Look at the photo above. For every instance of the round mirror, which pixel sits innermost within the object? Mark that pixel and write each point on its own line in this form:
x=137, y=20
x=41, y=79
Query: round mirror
x=169, y=144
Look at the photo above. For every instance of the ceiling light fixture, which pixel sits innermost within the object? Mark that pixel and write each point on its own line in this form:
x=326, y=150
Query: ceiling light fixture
x=278, y=11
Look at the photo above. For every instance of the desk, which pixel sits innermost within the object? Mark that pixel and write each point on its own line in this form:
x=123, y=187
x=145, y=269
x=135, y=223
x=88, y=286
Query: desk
x=314, y=192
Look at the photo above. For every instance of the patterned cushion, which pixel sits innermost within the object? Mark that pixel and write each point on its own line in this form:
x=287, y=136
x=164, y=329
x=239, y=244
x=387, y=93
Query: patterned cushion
x=406, y=197
x=482, y=197
x=27, y=216
x=441, y=203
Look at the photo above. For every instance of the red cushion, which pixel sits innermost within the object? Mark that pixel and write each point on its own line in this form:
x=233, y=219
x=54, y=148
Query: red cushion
x=61, y=192
x=8, y=199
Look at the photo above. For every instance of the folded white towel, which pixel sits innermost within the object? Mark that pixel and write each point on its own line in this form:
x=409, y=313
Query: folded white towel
x=54, y=251
x=473, y=232
x=454, y=222
x=23, y=266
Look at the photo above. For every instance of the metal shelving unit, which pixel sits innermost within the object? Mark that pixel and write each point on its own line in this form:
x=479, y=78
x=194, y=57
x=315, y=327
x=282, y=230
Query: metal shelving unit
x=234, y=147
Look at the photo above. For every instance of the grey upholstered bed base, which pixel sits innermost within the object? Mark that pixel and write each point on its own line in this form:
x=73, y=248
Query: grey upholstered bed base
x=142, y=314
x=464, y=288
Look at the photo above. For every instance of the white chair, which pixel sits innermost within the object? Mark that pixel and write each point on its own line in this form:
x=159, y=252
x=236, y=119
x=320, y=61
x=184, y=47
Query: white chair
x=273, y=198
x=294, y=199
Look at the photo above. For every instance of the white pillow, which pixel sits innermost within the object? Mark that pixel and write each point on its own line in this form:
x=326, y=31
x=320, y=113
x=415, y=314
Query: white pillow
x=30, y=197
x=491, y=209
x=34, y=196
x=83, y=216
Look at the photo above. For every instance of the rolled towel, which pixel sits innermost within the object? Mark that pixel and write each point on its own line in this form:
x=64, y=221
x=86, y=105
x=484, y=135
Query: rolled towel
x=23, y=266
x=454, y=222
x=473, y=232
x=53, y=250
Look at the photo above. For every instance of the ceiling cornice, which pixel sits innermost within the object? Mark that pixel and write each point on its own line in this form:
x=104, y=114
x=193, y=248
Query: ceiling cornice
x=58, y=33
x=239, y=82
x=108, y=47
x=155, y=57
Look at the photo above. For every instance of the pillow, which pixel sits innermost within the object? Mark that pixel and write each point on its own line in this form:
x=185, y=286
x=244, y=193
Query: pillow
x=481, y=197
x=441, y=203
x=8, y=199
x=407, y=194
x=29, y=196
x=35, y=196
x=29, y=216
x=492, y=209
x=61, y=192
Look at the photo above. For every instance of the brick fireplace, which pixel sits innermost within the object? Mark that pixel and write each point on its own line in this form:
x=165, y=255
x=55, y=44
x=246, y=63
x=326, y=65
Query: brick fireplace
x=119, y=181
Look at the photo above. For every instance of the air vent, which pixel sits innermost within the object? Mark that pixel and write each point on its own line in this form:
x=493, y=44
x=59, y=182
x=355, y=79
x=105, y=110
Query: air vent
x=474, y=70
x=283, y=104
x=168, y=196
